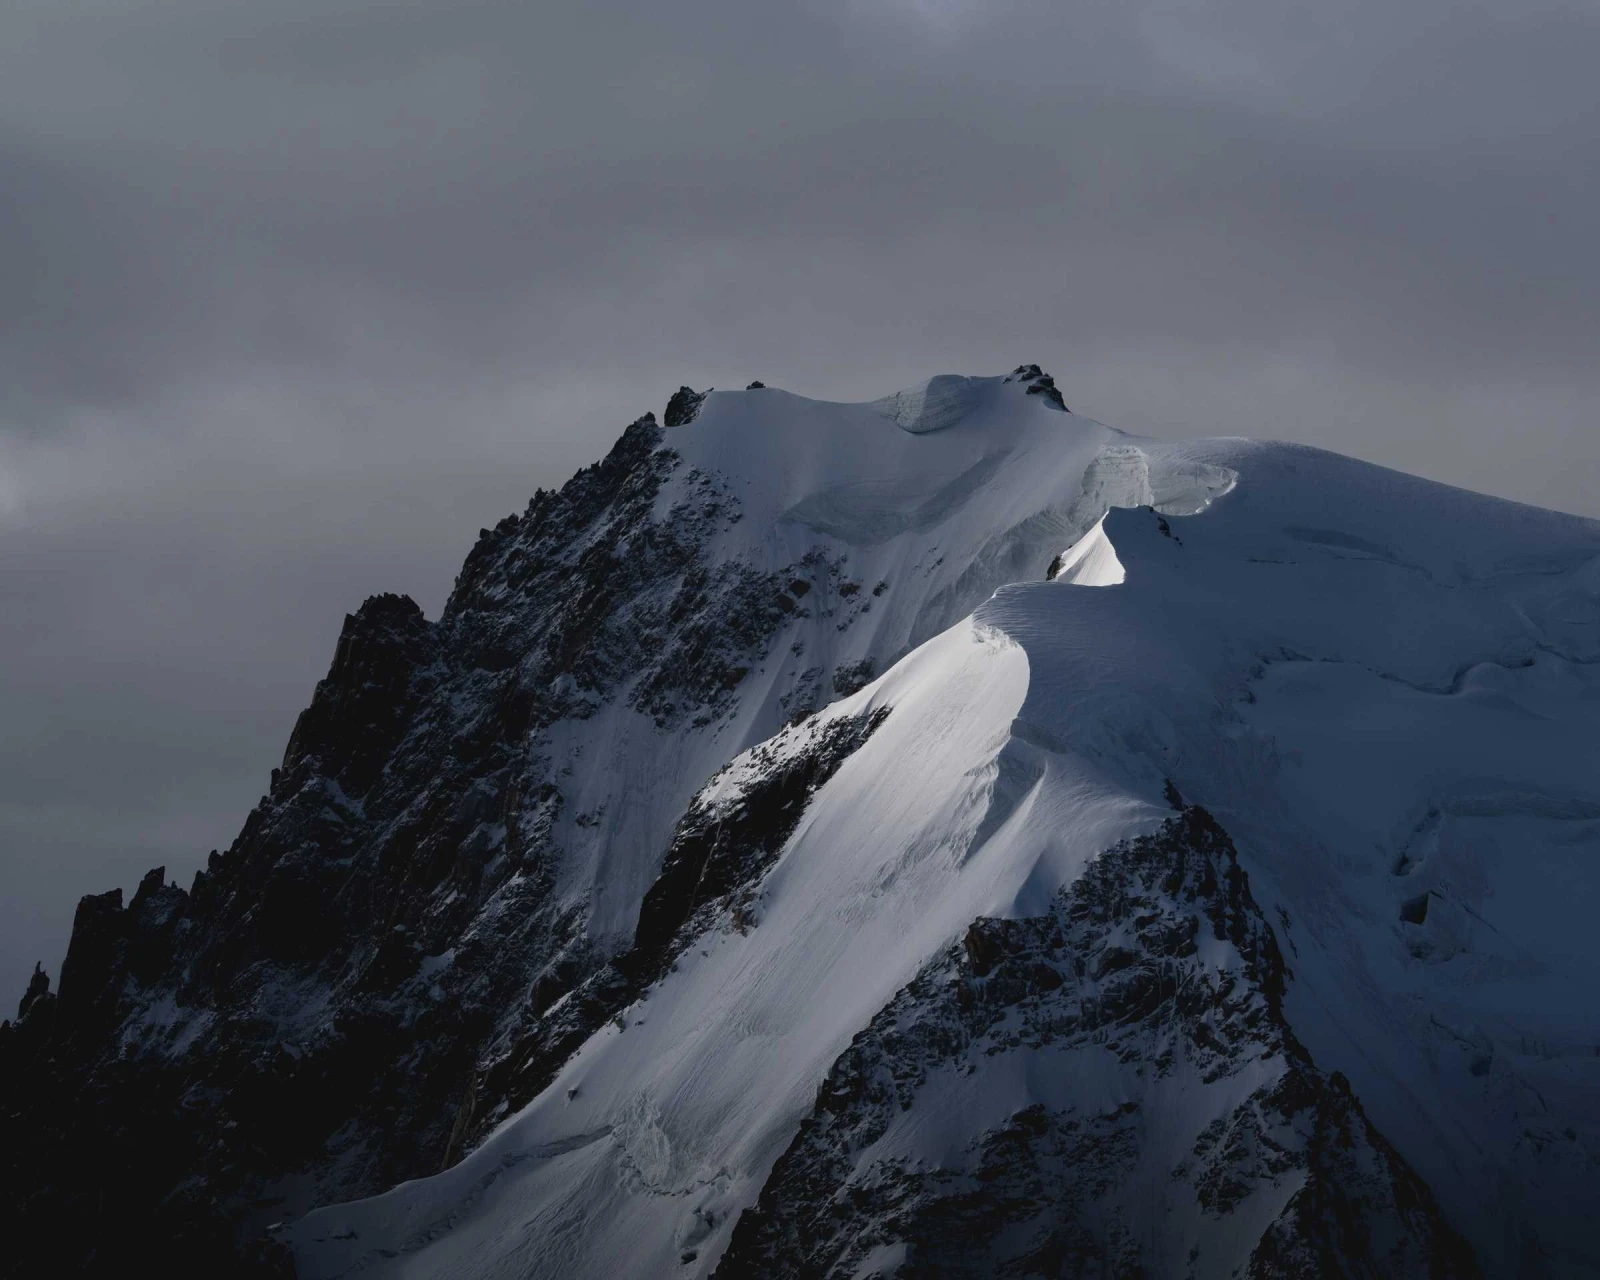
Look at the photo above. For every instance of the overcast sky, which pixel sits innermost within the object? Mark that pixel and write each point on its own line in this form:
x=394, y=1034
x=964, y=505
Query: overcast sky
x=294, y=297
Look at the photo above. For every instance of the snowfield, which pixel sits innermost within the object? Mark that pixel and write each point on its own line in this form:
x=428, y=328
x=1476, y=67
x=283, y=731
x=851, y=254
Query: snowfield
x=1384, y=691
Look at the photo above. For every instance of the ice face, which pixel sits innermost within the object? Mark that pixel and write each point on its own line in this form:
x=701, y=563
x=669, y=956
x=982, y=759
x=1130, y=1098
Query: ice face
x=940, y=402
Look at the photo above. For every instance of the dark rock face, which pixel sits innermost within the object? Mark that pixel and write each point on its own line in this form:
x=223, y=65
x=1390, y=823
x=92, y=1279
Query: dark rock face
x=684, y=406
x=361, y=711
x=857, y=675
x=305, y=1022
x=38, y=989
x=1156, y=982
x=1038, y=383
x=726, y=843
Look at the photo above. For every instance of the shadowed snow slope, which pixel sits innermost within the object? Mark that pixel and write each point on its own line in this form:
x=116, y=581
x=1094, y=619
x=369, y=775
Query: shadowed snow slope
x=1340, y=1014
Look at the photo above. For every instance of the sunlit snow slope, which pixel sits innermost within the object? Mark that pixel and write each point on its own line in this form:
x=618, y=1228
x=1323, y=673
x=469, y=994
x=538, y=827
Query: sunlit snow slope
x=1384, y=694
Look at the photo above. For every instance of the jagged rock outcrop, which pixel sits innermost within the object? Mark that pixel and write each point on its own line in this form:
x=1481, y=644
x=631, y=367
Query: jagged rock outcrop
x=1039, y=383
x=1186, y=1129
x=683, y=405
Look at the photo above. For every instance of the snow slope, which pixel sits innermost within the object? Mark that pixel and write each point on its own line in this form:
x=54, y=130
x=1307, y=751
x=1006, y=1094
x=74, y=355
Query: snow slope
x=1382, y=689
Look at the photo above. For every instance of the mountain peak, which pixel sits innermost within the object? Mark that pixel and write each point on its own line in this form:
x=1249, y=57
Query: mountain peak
x=760, y=830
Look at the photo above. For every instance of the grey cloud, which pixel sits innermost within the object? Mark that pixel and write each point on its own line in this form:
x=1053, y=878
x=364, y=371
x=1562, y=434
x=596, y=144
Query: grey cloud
x=295, y=297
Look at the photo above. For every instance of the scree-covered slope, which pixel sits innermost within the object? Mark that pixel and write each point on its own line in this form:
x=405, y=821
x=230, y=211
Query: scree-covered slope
x=1211, y=899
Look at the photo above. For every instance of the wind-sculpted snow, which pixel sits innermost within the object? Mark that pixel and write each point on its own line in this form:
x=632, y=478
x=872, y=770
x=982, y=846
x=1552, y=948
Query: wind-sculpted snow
x=939, y=402
x=1089, y=562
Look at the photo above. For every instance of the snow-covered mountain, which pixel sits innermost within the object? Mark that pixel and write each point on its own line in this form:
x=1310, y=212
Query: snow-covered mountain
x=1118, y=857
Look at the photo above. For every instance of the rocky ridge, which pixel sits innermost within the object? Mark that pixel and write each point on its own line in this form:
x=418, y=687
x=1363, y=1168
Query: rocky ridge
x=1187, y=1132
